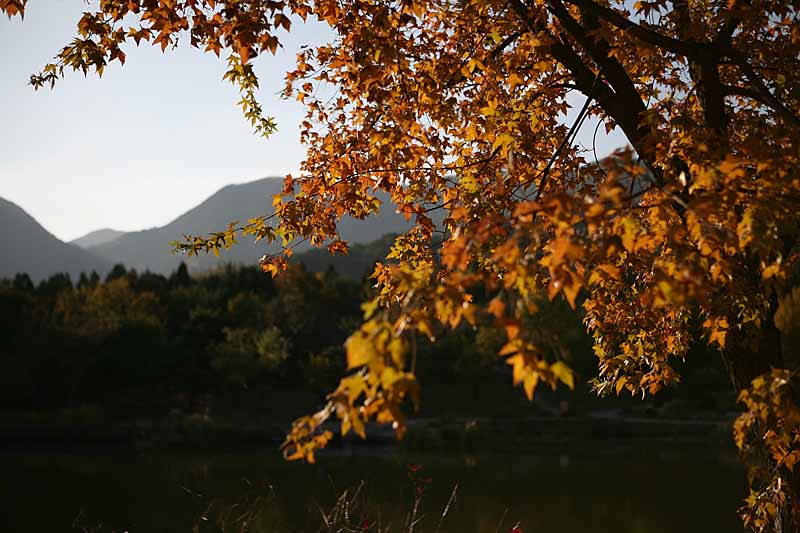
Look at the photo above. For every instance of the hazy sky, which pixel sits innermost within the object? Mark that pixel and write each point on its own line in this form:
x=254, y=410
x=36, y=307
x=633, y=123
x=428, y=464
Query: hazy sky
x=144, y=143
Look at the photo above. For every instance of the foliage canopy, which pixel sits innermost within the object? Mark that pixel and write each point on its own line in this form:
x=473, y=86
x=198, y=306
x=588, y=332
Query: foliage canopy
x=456, y=106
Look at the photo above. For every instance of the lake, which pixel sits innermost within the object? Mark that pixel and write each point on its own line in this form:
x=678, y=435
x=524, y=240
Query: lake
x=670, y=487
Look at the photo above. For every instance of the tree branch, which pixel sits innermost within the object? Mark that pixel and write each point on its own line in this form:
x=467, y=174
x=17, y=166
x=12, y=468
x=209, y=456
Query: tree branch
x=599, y=50
x=760, y=88
x=641, y=32
x=457, y=76
x=567, y=139
x=624, y=104
x=752, y=94
x=726, y=32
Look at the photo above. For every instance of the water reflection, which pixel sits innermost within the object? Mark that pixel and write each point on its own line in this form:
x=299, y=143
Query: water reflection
x=635, y=490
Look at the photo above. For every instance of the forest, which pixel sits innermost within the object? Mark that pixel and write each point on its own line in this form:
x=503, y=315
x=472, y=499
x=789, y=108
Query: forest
x=235, y=343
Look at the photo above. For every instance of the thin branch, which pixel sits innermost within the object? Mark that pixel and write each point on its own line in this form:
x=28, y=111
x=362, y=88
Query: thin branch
x=567, y=139
x=594, y=147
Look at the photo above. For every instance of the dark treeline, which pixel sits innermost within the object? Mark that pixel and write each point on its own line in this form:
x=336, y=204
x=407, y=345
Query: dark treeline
x=162, y=338
x=236, y=341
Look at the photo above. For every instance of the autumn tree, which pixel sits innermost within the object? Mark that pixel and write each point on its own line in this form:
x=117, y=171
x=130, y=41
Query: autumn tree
x=457, y=106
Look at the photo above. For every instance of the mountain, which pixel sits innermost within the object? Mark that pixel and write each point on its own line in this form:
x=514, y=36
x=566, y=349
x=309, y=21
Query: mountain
x=96, y=238
x=359, y=262
x=28, y=247
x=150, y=249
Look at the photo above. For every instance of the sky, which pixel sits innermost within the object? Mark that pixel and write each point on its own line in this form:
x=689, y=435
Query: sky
x=148, y=141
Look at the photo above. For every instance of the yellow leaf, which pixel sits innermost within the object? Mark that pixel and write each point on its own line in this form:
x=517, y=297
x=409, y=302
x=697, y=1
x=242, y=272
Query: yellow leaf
x=509, y=348
x=518, y=364
x=771, y=271
x=792, y=459
x=397, y=350
x=621, y=383
x=423, y=326
x=353, y=386
x=358, y=424
x=360, y=351
x=504, y=139
x=611, y=271
x=369, y=308
x=563, y=373
x=630, y=230
x=529, y=384
x=389, y=376
x=717, y=336
x=514, y=80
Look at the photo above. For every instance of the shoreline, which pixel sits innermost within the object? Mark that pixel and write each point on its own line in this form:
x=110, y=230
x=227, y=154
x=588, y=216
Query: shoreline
x=60, y=430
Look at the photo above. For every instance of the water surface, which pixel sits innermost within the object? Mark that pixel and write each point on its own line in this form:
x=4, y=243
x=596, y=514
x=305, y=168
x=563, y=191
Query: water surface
x=669, y=488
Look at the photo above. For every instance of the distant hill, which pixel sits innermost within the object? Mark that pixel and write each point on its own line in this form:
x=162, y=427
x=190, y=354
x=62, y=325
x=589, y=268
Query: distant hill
x=149, y=249
x=28, y=247
x=358, y=263
x=96, y=238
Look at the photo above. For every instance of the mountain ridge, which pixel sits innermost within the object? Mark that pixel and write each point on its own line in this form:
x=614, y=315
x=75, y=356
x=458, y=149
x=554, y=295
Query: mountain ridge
x=149, y=249
x=97, y=237
x=29, y=248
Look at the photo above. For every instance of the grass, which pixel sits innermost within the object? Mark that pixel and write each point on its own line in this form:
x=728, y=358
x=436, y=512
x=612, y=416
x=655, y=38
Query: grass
x=352, y=511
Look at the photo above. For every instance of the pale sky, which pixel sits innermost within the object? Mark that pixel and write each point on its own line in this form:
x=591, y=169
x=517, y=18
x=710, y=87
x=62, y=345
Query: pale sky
x=146, y=142
x=138, y=147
